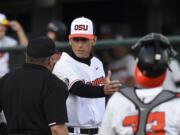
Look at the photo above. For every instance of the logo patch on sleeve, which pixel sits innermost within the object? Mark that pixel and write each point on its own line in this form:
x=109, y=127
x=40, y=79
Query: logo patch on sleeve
x=66, y=81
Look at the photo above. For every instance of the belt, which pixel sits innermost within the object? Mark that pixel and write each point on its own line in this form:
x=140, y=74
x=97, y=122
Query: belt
x=85, y=131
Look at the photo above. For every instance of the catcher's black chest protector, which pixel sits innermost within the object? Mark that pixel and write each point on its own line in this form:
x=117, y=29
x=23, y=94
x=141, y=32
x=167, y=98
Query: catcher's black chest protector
x=145, y=109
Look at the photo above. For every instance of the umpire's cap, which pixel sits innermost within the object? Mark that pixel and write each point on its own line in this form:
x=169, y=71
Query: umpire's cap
x=153, y=53
x=41, y=47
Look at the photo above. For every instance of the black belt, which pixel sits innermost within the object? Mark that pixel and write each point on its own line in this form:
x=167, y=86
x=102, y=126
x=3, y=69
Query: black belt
x=85, y=131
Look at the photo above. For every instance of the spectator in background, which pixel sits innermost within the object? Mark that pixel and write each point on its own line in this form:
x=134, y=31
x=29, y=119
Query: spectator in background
x=122, y=64
x=106, y=33
x=172, y=80
x=56, y=30
x=6, y=41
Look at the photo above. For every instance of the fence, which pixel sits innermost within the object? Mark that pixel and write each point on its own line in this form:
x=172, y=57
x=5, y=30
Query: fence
x=17, y=56
x=102, y=44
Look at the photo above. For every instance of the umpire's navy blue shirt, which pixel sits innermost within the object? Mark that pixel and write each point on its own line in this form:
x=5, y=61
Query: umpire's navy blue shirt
x=33, y=99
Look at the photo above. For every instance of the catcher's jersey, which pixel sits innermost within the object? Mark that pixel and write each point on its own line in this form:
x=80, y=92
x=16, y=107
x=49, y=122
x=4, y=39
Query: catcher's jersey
x=4, y=56
x=82, y=112
x=121, y=115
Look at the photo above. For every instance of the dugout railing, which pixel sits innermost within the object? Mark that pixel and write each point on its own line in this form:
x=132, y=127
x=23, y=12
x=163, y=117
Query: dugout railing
x=101, y=44
x=17, y=56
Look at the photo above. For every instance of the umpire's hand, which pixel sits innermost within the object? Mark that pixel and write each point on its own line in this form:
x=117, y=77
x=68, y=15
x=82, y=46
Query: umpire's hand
x=111, y=86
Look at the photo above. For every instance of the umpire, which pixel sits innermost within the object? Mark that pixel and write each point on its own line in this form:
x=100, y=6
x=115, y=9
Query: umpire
x=33, y=99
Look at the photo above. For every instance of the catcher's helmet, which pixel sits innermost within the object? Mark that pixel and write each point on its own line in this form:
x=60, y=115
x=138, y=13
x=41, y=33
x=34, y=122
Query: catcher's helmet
x=153, y=53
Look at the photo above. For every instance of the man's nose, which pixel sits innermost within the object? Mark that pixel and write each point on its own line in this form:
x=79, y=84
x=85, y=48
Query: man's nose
x=80, y=43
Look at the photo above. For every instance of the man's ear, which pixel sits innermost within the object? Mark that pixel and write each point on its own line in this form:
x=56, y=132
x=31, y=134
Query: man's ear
x=70, y=42
x=94, y=40
x=51, y=62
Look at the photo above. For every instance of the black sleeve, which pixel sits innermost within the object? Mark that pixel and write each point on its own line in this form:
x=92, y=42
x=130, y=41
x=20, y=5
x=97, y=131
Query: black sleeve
x=85, y=90
x=55, y=103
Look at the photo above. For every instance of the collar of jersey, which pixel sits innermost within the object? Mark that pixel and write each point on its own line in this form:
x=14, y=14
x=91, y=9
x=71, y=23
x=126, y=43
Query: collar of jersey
x=82, y=60
x=148, y=92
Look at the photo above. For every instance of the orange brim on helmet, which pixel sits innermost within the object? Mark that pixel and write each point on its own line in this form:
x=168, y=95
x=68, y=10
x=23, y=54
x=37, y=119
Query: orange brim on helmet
x=148, y=82
x=88, y=36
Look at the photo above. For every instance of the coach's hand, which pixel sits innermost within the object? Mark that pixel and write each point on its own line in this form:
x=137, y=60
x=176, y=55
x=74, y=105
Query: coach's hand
x=111, y=86
x=108, y=77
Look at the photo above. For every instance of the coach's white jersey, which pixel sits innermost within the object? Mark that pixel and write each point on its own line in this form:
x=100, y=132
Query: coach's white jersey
x=4, y=56
x=82, y=112
x=121, y=115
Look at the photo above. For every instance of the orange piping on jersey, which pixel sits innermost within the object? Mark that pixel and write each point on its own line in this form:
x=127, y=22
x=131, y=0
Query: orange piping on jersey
x=96, y=82
x=177, y=94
